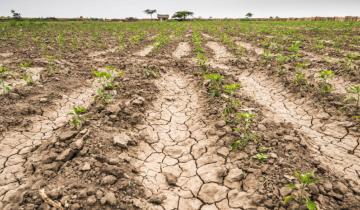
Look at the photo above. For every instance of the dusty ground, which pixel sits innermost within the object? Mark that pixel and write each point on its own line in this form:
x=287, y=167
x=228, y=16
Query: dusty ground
x=162, y=142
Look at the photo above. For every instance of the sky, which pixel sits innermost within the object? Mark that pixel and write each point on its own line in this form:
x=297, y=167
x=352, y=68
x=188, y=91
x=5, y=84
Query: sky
x=201, y=8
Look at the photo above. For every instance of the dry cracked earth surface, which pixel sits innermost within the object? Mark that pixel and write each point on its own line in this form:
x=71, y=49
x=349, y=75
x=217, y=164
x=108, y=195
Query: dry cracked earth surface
x=335, y=139
x=161, y=144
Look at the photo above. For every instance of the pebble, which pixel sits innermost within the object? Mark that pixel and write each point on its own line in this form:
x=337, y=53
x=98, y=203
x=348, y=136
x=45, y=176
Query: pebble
x=86, y=167
x=110, y=179
x=121, y=140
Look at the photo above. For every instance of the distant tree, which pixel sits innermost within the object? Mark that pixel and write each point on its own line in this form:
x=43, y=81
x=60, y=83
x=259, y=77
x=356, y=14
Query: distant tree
x=150, y=12
x=16, y=15
x=249, y=15
x=182, y=15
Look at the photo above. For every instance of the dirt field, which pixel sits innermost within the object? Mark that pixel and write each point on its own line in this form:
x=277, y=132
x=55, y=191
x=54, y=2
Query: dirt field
x=210, y=115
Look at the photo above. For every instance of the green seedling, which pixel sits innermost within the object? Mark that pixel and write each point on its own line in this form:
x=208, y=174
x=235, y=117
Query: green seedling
x=231, y=107
x=261, y=157
x=3, y=70
x=231, y=88
x=300, y=188
x=28, y=79
x=108, y=76
x=282, y=59
x=5, y=88
x=77, y=120
x=104, y=96
x=150, y=73
x=121, y=41
x=324, y=85
x=295, y=47
x=354, y=94
x=25, y=64
x=300, y=79
x=215, y=83
x=245, y=119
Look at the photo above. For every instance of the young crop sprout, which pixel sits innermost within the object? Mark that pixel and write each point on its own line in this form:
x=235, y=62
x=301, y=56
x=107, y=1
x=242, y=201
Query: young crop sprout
x=5, y=88
x=300, y=188
x=108, y=76
x=231, y=107
x=28, y=79
x=295, y=47
x=324, y=85
x=231, y=88
x=300, y=79
x=3, y=70
x=246, y=120
x=25, y=64
x=215, y=83
x=77, y=120
x=261, y=157
x=354, y=94
x=104, y=96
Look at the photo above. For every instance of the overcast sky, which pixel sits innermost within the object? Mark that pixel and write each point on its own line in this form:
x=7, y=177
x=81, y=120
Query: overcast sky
x=203, y=8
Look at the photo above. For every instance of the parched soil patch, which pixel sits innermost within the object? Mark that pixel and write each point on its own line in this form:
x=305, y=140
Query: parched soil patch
x=16, y=144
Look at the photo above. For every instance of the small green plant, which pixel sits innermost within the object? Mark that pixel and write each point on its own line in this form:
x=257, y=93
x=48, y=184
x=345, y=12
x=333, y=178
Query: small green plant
x=300, y=188
x=28, y=79
x=300, y=79
x=245, y=119
x=325, y=86
x=104, y=96
x=25, y=64
x=262, y=157
x=3, y=70
x=77, y=119
x=231, y=88
x=354, y=94
x=108, y=76
x=320, y=45
x=295, y=47
x=5, y=88
x=151, y=73
x=282, y=59
x=215, y=83
x=231, y=107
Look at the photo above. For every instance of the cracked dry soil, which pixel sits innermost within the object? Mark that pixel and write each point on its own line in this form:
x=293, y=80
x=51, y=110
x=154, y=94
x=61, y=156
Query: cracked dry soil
x=335, y=139
x=178, y=163
x=16, y=144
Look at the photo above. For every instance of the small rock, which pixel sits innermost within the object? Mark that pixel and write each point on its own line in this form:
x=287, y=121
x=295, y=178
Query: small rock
x=14, y=95
x=284, y=191
x=109, y=198
x=212, y=192
x=171, y=179
x=220, y=124
x=75, y=206
x=86, y=167
x=273, y=155
x=66, y=155
x=157, y=199
x=99, y=194
x=110, y=179
x=261, y=127
x=91, y=200
x=339, y=187
x=67, y=135
x=223, y=151
x=112, y=170
x=43, y=100
x=138, y=101
x=121, y=140
x=220, y=133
